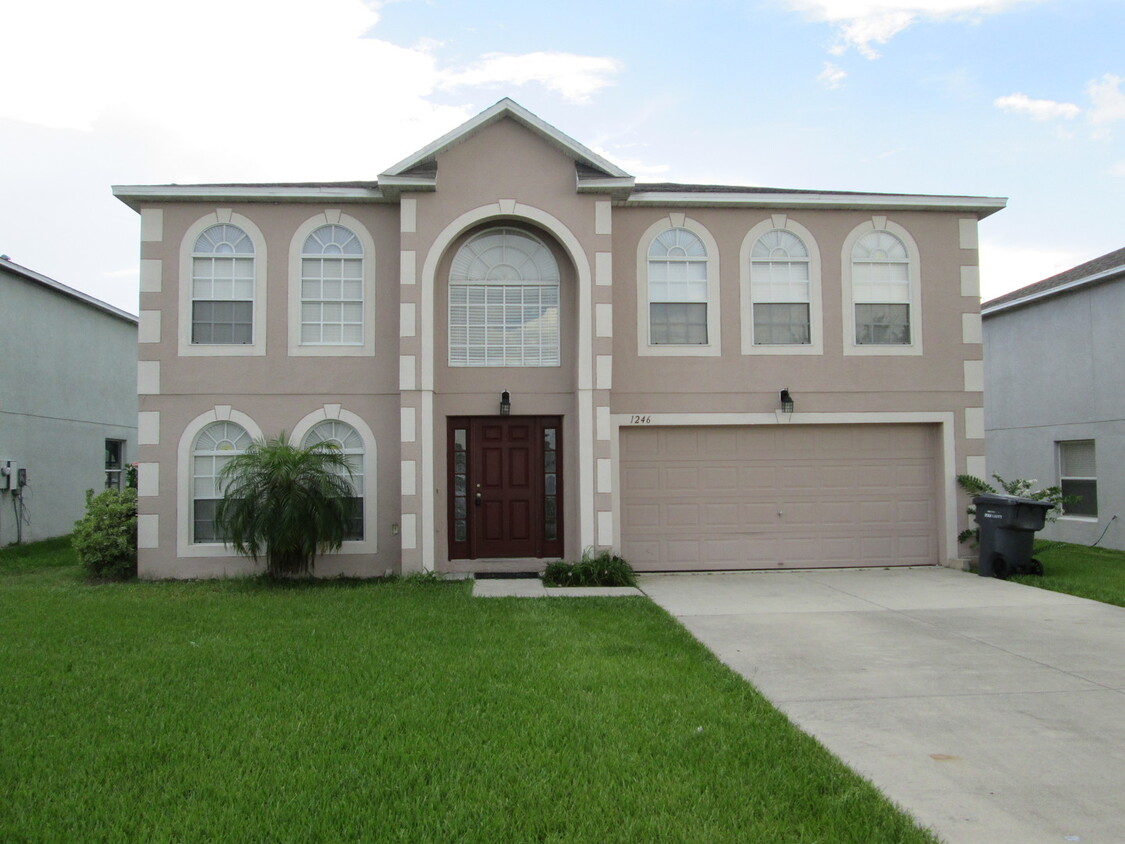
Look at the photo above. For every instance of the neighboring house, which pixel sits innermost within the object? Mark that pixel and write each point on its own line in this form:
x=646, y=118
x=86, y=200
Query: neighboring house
x=642, y=333
x=1054, y=354
x=68, y=402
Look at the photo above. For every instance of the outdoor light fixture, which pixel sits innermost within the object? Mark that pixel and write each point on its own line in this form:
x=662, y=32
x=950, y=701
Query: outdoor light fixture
x=505, y=403
x=786, y=401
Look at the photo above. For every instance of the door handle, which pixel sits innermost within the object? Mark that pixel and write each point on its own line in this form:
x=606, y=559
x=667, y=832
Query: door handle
x=478, y=499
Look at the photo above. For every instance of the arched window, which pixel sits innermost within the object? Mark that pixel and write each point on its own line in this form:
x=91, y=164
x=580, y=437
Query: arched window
x=332, y=288
x=222, y=287
x=214, y=446
x=350, y=443
x=504, y=302
x=780, y=289
x=881, y=290
x=677, y=289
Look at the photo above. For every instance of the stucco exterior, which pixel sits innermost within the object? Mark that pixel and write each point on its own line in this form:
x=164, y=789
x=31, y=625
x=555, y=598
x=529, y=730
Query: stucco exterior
x=507, y=168
x=1053, y=361
x=68, y=384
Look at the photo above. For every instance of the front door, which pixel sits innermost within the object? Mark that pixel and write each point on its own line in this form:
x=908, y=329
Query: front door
x=505, y=486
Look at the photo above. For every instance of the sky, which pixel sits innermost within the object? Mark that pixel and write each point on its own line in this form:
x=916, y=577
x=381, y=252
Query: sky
x=1023, y=99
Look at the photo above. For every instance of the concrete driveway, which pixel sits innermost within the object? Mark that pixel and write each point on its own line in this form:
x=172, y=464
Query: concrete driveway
x=993, y=712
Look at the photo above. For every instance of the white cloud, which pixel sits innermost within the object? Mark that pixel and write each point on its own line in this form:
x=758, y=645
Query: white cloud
x=1108, y=100
x=1006, y=267
x=250, y=90
x=632, y=166
x=1117, y=169
x=864, y=23
x=831, y=76
x=1037, y=109
x=574, y=77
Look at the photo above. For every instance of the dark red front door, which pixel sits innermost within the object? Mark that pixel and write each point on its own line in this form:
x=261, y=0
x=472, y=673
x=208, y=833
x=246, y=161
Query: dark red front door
x=505, y=486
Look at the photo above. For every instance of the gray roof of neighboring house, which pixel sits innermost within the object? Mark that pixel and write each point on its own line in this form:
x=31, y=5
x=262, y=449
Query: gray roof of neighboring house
x=10, y=266
x=1103, y=268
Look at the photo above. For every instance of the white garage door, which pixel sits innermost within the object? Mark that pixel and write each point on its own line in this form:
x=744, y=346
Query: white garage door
x=778, y=496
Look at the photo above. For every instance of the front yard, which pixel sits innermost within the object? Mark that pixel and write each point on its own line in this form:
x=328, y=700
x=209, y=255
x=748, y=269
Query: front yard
x=390, y=711
x=1096, y=573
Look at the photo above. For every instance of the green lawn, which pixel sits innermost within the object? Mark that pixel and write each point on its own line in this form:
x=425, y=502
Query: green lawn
x=388, y=711
x=1097, y=573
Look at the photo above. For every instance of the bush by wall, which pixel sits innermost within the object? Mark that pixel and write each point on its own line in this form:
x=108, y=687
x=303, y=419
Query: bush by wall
x=603, y=569
x=105, y=539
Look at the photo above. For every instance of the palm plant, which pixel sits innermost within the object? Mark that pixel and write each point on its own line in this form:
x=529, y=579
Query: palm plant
x=287, y=502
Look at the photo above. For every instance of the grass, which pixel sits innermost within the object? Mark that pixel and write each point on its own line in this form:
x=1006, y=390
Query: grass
x=1096, y=573
x=241, y=710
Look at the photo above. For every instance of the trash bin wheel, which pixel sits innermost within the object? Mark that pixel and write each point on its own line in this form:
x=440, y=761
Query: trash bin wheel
x=1000, y=567
x=1036, y=567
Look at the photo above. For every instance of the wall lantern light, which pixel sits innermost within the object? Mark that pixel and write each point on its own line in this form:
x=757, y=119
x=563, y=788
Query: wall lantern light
x=786, y=401
x=505, y=403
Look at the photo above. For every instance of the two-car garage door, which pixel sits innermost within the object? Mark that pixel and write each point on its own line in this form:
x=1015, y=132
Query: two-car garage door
x=773, y=496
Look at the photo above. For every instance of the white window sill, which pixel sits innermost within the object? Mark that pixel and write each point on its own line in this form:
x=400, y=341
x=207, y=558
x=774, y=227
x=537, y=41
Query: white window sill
x=1071, y=518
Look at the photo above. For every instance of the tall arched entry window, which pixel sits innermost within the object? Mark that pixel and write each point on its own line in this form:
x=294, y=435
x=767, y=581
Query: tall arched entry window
x=504, y=301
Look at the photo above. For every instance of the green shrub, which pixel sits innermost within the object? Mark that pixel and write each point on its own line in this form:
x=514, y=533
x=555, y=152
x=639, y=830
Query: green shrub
x=601, y=569
x=105, y=539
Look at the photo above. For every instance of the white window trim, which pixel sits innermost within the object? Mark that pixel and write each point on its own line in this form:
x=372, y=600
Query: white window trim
x=815, y=346
x=296, y=249
x=187, y=247
x=914, y=347
x=370, y=543
x=714, y=345
x=184, y=546
x=1075, y=517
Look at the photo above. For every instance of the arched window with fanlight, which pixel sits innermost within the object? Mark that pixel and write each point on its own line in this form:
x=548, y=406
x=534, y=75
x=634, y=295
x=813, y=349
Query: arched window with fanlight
x=332, y=288
x=222, y=287
x=678, y=289
x=504, y=301
x=213, y=448
x=881, y=290
x=348, y=440
x=780, y=290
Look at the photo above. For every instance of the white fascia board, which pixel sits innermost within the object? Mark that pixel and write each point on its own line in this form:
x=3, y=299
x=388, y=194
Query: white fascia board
x=982, y=206
x=619, y=188
x=392, y=186
x=506, y=108
x=989, y=310
x=136, y=195
x=38, y=278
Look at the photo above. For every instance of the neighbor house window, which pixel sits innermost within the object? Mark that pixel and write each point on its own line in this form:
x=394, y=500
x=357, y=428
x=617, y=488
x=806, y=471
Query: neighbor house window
x=214, y=446
x=1078, y=477
x=114, y=463
x=504, y=302
x=677, y=289
x=780, y=289
x=332, y=288
x=347, y=439
x=881, y=290
x=222, y=287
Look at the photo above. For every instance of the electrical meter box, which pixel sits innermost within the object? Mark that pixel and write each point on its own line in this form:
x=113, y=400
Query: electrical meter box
x=9, y=472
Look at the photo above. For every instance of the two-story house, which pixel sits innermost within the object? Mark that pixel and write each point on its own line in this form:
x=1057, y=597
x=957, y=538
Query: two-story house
x=526, y=353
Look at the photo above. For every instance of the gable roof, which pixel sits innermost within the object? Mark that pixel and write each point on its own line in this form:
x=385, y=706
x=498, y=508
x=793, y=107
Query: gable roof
x=425, y=158
x=11, y=267
x=1102, y=268
x=593, y=174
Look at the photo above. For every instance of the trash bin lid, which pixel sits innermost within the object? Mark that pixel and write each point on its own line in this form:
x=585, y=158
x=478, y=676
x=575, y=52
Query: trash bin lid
x=994, y=499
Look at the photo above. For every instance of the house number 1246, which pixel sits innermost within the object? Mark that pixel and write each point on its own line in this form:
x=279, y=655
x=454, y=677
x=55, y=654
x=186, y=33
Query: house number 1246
x=640, y=420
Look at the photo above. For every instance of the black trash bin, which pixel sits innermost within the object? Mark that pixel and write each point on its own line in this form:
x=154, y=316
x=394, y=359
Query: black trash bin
x=1007, y=531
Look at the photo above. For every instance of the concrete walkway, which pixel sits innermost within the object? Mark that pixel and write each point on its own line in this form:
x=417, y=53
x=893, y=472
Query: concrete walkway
x=993, y=712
